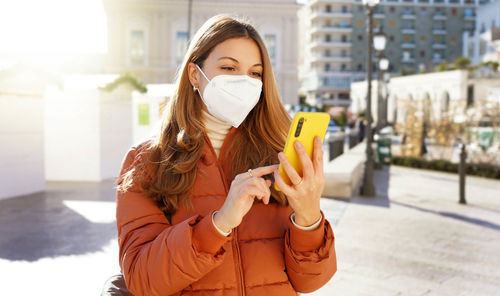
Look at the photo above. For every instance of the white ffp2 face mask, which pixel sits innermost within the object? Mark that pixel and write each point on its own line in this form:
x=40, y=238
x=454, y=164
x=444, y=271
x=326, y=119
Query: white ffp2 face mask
x=231, y=97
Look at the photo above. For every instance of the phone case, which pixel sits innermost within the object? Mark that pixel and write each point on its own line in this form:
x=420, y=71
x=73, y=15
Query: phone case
x=314, y=124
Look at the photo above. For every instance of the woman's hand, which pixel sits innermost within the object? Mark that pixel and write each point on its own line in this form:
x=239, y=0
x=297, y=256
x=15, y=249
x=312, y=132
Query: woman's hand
x=244, y=189
x=305, y=192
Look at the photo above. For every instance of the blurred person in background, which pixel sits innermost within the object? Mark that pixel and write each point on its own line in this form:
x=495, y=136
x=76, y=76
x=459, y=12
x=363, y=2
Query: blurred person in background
x=196, y=212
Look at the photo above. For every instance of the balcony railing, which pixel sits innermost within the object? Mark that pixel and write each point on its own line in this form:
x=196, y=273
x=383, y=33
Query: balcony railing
x=410, y=44
x=439, y=16
x=408, y=15
x=331, y=58
x=331, y=43
x=338, y=13
x=440, y=45
x=323, y=29
x=439, y=31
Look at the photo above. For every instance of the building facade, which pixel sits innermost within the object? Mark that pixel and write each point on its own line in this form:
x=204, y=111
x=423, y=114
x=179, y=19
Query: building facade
x=326, y=72
x=484, y=43
x=150, y=38
x=420, y=35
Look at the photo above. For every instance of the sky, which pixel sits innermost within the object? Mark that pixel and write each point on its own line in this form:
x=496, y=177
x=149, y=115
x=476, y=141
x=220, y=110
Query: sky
x=35, y=27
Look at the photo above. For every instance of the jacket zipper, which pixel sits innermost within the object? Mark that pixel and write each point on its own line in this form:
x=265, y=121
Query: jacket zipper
x=236, y=248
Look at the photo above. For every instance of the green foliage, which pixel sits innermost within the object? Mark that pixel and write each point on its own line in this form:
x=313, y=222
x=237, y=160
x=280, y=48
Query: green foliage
x=407, y=71
x=482, y=169
x=341, y=120
x=302, y=99
x=442, y=67
x=493, y=65
x=462, y=63
x=125, y=78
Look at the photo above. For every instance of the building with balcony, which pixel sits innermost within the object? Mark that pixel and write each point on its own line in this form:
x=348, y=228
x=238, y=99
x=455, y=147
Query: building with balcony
x=484, y=43
x=150, y=38
x=420, y=33
x=326, y=59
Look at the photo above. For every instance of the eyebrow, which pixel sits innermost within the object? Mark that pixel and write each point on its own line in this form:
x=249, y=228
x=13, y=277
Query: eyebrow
x=236, y=61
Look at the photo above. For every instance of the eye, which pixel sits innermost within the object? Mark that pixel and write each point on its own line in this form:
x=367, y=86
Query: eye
x=256, y=74
x=227, y=68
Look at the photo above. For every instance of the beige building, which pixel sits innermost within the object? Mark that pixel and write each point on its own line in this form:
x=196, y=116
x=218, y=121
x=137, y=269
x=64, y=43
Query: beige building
x=325, y=72
x=149, y=38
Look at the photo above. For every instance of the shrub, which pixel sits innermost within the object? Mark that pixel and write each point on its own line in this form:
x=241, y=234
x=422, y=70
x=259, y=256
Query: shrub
x=125, y=78
x=477, y=169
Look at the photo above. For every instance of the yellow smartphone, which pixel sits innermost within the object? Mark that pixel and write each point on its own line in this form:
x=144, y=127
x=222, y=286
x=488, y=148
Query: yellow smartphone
x=305, y=127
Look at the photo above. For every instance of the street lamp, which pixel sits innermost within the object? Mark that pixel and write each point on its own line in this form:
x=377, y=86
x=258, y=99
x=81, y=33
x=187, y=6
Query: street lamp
x=383, y=65
x=383, y=77
x=368, y=188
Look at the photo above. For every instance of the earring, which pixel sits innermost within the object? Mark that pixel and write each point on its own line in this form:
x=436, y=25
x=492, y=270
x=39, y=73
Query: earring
x=195, y=88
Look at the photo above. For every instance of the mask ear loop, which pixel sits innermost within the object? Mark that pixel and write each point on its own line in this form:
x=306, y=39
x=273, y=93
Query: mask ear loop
x=202, y=73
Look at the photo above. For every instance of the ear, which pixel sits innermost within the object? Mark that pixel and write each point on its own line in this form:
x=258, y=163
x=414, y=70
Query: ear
x=193, y=74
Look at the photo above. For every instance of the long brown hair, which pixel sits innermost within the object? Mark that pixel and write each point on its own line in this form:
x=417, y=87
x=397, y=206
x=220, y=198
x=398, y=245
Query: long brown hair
x=167, y=168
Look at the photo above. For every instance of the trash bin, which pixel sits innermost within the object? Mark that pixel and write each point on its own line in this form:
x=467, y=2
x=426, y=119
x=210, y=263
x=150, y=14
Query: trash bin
x=384, y=149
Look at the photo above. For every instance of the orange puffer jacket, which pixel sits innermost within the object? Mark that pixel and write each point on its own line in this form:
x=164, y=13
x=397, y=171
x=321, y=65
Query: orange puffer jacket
x=265, y=255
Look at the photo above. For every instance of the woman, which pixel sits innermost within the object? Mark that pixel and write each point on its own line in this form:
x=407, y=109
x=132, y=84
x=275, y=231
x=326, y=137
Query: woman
x=196, y=212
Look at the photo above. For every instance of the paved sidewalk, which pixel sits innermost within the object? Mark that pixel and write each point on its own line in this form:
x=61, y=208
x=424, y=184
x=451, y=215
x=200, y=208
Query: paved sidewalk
x=412, y=239
x=415, y=239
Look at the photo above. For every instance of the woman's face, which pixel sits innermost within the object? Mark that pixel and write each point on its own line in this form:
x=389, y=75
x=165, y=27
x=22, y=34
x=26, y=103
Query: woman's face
x=236, y=56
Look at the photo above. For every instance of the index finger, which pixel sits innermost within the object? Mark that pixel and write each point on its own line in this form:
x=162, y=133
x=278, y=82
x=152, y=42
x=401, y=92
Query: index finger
x=265, y=170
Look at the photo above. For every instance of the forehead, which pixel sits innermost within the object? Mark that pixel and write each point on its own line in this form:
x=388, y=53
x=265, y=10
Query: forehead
x=245, y=50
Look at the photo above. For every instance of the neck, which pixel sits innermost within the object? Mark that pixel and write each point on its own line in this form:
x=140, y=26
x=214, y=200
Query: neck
x=216, y=129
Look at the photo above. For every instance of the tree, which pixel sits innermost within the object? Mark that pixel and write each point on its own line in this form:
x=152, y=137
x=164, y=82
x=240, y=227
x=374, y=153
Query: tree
x=462, y=63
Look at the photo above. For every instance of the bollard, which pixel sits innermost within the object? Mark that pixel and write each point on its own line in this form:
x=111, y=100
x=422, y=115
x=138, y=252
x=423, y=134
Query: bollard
x=461, y=172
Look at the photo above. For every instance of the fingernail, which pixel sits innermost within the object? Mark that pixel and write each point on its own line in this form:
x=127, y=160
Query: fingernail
x=297, y=144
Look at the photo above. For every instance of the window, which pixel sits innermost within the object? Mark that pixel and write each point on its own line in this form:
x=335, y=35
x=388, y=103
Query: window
x=270, y=41
x=344, y=24
x=468, y=12
x=408, y=38
x=344, y=38
x=327, y=67
x=470, y=95
x=437, y=39
x=391, y=9
x=360, y=24
x=422, y=53
x=453, y=40
x=327, y=53
x=137, y=47
x=344, y=8
x=328, y=8
x=328, y=38
x=343, y=53
x=423, y=38
x=360, y=68
x=407, y=55
x=453, y=11
x=181, y=44
x=392, y=24
x=360, y=37
x=408, y=25
x=423, y=11
x=343, y=67
x=391, y=38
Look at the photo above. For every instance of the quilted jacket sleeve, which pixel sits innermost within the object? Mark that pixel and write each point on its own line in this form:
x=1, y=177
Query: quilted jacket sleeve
x=157, y=258
x=310, y=256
